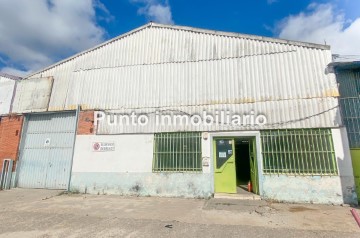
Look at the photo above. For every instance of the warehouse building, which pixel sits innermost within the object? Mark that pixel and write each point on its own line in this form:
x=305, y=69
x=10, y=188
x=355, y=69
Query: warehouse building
x=179, y=111
x=348, y=76
x=10, y=125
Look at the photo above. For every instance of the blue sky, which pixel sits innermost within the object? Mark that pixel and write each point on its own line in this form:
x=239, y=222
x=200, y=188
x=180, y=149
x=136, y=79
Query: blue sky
x=46, y=31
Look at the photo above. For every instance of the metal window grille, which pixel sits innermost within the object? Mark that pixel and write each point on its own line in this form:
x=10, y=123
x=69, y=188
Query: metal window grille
x=299, y=152
x=350, y=110
x=349, y=86
x=177, y=152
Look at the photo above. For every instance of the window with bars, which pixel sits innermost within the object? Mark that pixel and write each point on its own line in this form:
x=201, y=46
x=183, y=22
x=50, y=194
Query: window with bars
x=299, y=152
x=177, y=152
x=349, y=87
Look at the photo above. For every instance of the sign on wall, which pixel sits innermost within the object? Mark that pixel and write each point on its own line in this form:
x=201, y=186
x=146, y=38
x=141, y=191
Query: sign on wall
x=103, y=146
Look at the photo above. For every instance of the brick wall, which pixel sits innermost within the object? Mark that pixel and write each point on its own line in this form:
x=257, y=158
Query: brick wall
x=86, y=123
x=10, y=133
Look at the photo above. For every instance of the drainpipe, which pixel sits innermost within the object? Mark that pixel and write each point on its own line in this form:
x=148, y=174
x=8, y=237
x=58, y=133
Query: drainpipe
x=73, y=150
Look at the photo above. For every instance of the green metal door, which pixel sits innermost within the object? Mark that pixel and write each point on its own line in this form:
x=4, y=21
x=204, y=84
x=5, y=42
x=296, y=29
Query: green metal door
x=225, y=172
x=355, y=156
x=253, y=167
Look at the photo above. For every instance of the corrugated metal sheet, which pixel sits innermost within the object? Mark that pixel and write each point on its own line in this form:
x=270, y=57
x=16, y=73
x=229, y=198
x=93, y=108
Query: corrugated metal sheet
x=32, y=95
x=42, y=164
x=9, y=76
x=163, y=66
x=349, y=83
x=304, y=113
x=7, y=87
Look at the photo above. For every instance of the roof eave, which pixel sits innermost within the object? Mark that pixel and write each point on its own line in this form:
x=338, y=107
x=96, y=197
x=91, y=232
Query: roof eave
x=13, y=77
x=91, y=49
x=345, y=65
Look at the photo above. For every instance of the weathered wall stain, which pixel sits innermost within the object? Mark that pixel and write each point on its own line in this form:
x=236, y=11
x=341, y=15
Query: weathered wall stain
x=144, y=184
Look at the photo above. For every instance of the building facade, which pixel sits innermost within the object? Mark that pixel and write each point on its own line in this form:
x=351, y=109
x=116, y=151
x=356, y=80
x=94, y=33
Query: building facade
x=10, y=125
x=348, y=77
x=179, y=111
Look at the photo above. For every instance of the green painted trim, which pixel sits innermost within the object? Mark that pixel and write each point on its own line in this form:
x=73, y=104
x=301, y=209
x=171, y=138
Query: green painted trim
x=355, y=157
x=225, y=176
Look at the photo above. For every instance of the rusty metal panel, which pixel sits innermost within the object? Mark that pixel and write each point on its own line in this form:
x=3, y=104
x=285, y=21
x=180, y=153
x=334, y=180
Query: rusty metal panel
x=7, y=87
x=32, y=95
x=161, y=66
x=46, y=152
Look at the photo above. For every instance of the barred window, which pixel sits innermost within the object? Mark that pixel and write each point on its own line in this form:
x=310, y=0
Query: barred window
x=302, y=152
x=177, y=152
x=349, y=87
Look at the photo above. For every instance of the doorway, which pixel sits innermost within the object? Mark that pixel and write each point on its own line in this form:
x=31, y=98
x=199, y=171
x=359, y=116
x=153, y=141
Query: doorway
x=46, y=150
x=235, y=165
x=242, y=164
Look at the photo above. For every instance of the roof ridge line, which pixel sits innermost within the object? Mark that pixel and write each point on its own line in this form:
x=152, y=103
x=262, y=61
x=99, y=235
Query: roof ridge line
x=242, y=35
x=185, y=28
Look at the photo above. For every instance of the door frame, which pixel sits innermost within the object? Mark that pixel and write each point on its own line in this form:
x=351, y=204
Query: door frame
x=238, y=135
x=23, y=138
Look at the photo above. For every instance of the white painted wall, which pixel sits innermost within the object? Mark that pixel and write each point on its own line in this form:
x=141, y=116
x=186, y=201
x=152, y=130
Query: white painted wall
x=206, y=143
x=128, y=170
x=343, y=158
x=133, y=153
x=342, y=151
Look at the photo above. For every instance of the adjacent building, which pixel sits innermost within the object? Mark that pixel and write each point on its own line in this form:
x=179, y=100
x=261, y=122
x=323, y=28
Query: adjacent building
x=10, y=124
x=179, y=111
x=348, y=76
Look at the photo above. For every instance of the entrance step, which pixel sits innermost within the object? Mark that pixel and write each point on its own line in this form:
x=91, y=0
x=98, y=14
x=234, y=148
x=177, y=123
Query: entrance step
x=237, y=196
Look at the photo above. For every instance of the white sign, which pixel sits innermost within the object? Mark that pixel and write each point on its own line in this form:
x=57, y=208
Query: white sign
x=205, y=162
x=222, y=154
x=103, y=146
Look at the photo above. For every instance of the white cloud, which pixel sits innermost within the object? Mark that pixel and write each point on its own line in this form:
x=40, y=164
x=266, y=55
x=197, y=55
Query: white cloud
x=35, y=34
x=321, y=23
x=14, y=71
x=155, y=10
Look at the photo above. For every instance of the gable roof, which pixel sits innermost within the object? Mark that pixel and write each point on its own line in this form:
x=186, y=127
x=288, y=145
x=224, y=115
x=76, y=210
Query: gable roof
x=189, y=29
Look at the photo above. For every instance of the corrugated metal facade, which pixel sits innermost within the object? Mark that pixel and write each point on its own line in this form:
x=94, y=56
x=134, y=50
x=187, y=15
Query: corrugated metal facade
x=349, y=87
x=304, y=114
x=7, y=86
x=186, y=69
x=46, y=151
